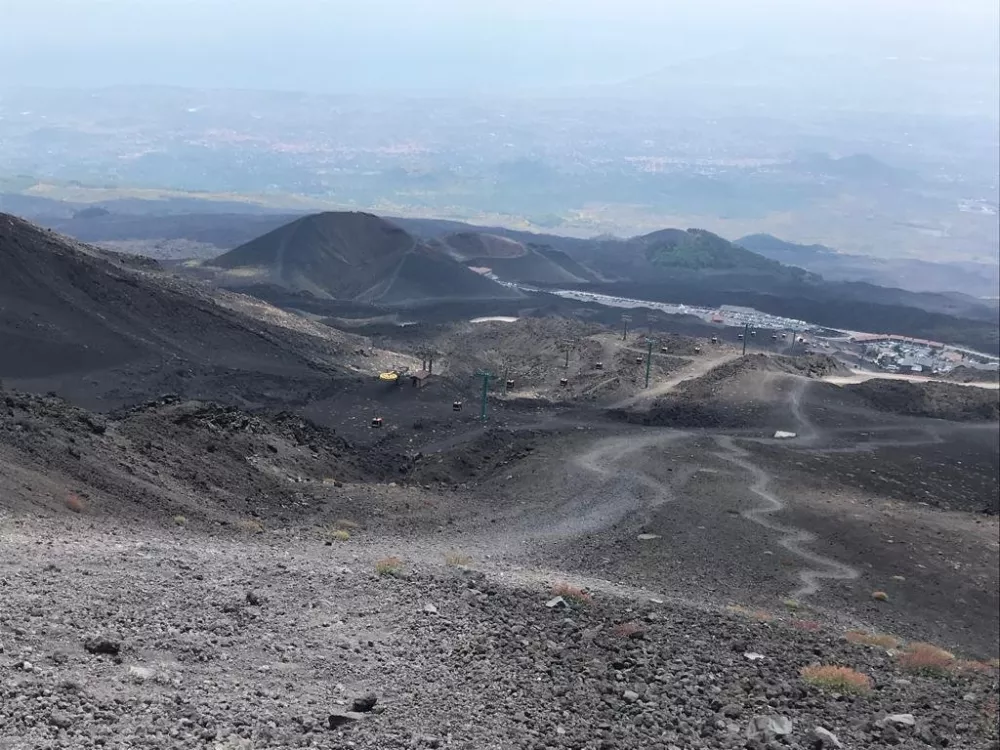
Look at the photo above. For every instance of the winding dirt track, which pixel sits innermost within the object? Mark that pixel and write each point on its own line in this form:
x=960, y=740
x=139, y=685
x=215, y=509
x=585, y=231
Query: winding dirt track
x=616, y=482
x=622, y=490
x=793, y=539
x=698, y=368
x=619, y=488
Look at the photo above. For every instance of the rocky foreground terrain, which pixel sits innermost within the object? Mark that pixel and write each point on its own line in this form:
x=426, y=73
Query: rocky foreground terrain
x=126, y=637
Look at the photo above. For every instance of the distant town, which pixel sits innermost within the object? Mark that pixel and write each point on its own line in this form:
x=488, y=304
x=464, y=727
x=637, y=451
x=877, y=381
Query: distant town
x=885, y=352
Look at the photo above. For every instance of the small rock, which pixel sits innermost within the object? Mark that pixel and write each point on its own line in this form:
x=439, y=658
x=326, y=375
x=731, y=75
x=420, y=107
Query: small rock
x=364, y=704
x=824, y=739
x=753, y=656
x=102, y=645
x=901, y=720
x=647, y=537
x=732, y=710
x=430, y=609
x=27, y=666
x=890, y=735
x=342, y=718
x=61, y=720
x=556, y=602
x=630, y=696
x=766, y=728
x=969, y=698
x=141, y=673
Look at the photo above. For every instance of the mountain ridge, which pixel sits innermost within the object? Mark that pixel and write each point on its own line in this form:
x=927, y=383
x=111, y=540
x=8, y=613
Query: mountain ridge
x=68, y=310
x=352, y=256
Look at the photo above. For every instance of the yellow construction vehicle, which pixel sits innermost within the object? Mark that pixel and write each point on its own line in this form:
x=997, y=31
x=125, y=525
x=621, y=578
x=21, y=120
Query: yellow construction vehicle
x=394, y=375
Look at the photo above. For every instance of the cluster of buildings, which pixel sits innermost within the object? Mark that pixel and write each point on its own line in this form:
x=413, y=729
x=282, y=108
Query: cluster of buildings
x=732, y=315
x=904, y=354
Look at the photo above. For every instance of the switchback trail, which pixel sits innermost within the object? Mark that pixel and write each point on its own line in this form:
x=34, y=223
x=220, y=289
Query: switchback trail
x=793, y=539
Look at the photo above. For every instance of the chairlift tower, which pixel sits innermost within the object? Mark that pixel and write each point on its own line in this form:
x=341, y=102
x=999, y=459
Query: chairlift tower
x=626, y=319
x=486, y=375
x=649, y=357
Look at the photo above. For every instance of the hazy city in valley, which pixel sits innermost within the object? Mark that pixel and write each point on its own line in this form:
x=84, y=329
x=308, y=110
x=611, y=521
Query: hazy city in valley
x=500, y=376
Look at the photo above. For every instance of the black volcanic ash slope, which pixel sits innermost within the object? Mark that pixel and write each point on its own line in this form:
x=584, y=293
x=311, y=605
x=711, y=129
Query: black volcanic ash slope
x=354, y=256
x=70, y=308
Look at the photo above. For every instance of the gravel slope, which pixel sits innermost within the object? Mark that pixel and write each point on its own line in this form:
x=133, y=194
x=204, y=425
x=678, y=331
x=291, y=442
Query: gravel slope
x=255, y=643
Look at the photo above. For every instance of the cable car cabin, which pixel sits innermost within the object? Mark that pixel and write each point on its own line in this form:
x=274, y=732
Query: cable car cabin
x=456, y=406
x=510, y=383
x=638, y=360
x=563, y=382
x=739, y=336
x=774, y=337
x=715, y=339
x=376, y=422
x=598, y=365
x=697, y=350
x=663, y=350
x=753, y=333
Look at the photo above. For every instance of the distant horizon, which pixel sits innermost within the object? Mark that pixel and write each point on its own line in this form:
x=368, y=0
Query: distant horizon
x=394, y=46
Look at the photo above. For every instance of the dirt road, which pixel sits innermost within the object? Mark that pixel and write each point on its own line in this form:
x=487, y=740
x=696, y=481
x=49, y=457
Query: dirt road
x=861, y=376
x=698, y=367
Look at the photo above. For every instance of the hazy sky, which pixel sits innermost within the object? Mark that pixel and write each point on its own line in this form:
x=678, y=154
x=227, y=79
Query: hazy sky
x=451, y=45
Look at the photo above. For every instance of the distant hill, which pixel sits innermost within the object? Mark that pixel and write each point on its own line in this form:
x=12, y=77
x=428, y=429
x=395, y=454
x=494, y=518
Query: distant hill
x=853, y=168
x=975, y=280
x=353, y=256
x=512, y=260
x=699, y=250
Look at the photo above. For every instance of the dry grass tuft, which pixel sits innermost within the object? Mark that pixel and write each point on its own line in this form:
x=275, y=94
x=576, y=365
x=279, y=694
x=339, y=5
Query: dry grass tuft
x=880, y=596
x=927, y=659
x=250, y=526
x=572, y=594
x=389, y=567
x=977, y=667
x=879, y=640
x=792, y=605
x=751, y=614
x=180, y=520
x=75, y=503
x=810, y=626
x=340, y=535
x=628, y=630
x=457, y=560
x=838, y=679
